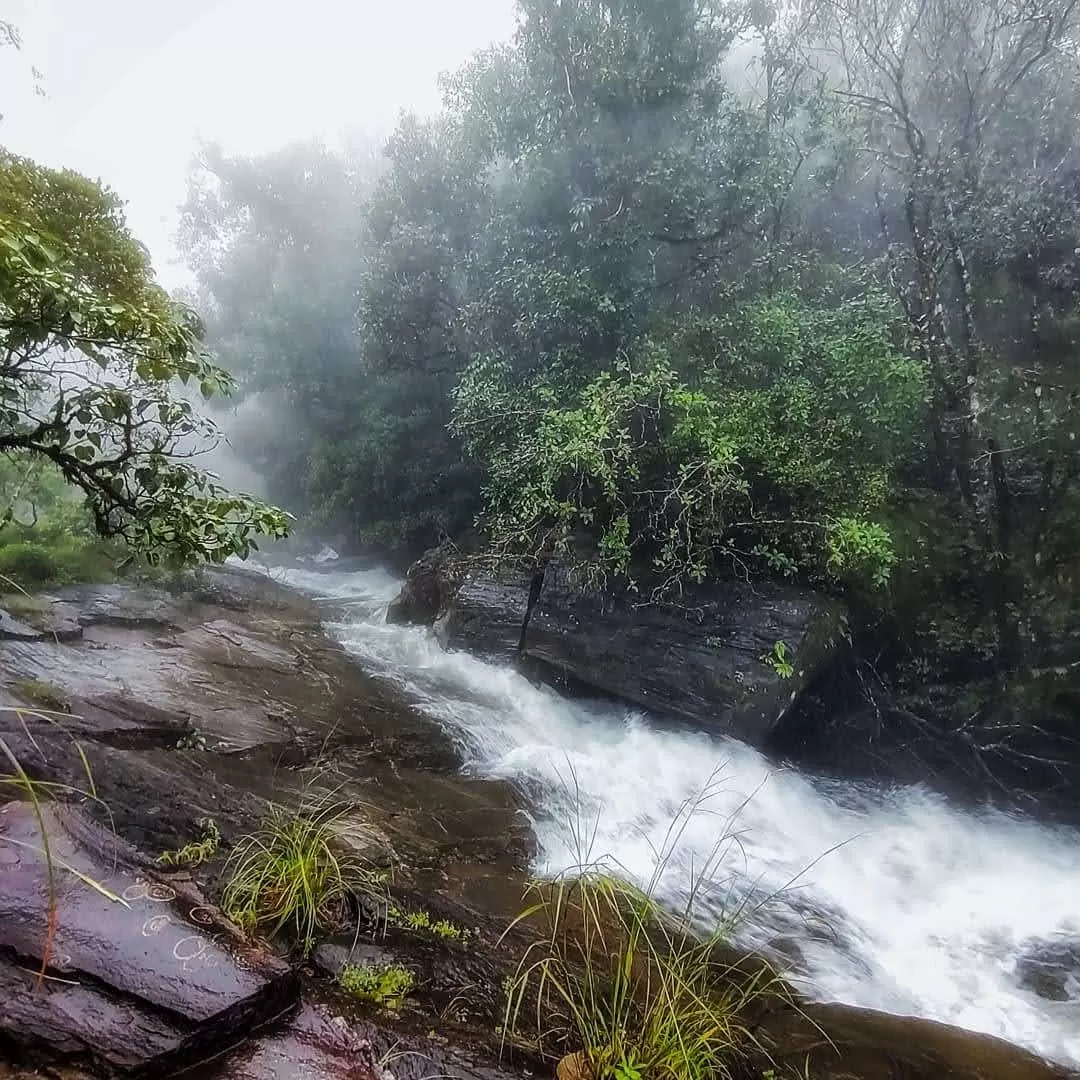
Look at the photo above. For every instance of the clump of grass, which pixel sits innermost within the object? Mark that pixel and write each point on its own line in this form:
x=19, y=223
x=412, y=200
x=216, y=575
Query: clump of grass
x=627, y=989
x=385, y=985
x=293, y=875
x=41, y=693
x=421, y=922
x=20, y=605
x=198, y=852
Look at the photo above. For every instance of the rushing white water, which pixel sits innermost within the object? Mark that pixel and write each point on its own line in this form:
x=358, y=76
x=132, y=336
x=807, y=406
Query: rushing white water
x=892, y=899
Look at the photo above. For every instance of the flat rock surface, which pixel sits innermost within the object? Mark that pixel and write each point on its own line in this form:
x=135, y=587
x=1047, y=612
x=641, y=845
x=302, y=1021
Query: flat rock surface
x=135, y=975
x=318, y=1045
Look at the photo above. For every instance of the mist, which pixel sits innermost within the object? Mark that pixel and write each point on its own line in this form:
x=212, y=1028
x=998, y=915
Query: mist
x=660, y=301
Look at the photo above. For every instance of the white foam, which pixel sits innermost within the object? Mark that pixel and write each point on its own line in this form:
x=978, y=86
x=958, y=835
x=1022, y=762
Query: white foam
x=896, y=900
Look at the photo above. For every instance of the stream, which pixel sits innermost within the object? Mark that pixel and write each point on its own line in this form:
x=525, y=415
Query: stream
x=889, y=899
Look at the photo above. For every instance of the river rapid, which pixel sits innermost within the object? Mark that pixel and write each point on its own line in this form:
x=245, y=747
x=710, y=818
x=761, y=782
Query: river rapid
x=890, y=899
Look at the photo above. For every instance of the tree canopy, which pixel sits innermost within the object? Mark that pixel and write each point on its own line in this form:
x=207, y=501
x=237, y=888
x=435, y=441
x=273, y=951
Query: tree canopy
x=90, y=352
x=685, y=289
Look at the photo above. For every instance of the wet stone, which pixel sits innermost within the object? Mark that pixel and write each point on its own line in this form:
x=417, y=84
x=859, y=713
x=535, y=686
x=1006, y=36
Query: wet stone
x=1051, y=970
x=313, y=1046
x=11, y=629
x=137, y=978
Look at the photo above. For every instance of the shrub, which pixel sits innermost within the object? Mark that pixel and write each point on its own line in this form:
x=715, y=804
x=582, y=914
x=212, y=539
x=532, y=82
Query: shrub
x=27, y=563
x=292, y=875
x=379, y=984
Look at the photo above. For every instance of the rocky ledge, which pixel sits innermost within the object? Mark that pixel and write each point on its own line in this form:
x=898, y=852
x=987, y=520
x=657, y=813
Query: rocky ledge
x=165, y=710
x=731, y=658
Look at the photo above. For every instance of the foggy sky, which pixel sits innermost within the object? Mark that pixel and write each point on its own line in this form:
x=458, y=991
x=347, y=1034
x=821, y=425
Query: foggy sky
x=131, y=85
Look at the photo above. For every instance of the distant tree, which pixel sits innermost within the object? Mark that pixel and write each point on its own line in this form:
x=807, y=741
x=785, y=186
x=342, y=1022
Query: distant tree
x=968, y=112
x=90, y=347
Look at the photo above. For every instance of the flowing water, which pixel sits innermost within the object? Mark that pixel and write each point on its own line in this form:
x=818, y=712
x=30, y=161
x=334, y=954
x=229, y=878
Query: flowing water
x=889, y=899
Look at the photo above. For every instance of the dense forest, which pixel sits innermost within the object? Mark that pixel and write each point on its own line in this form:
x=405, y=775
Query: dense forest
x=704, y=372
x=679, y=289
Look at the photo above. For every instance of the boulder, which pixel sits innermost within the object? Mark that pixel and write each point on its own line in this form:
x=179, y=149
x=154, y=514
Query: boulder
x=1051, y=969
x=486, y=618
x=719, y=658
x=429, y=585
x=730, y=658
x=11, y=629
x=139, y=979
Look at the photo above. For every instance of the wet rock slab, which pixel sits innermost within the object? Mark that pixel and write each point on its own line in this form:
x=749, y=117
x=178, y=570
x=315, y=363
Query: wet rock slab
x=317, y=1045
x=311, y=1047
x=137, y=980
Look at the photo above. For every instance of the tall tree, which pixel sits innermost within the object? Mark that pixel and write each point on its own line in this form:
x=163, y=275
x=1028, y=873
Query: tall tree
x=969, y=111
x=90, y=347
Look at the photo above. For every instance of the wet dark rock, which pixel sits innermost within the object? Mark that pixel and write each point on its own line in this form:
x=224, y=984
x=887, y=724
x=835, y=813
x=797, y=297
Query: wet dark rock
x=876, y=1046
x=246, y=705
x=429, y=585
x=486, y=618
x=313, y=1046
x=11, y=629
x=704, y=660
x=140, y=980
x=1051, y=969
x=123, y=606
x=51, y=621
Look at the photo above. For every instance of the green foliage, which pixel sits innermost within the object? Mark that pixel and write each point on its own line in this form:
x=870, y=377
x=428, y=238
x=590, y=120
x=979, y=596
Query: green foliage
x=28, y=564
x=422, y=922
x=786, y=429
x=672, y=325
x=199, y=851
x=92, y=346
x=294, y=875
x=385, y=985
x=42, y=693
x=779, y=659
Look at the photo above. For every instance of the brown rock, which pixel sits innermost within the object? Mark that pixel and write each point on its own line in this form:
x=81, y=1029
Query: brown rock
x=136, y=979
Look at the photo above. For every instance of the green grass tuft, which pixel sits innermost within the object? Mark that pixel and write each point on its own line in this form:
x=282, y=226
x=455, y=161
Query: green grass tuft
x=421, y=922
x=195, y=854
x=633, y=987
x=293, y=875
x=385, y=985
x=41, y=693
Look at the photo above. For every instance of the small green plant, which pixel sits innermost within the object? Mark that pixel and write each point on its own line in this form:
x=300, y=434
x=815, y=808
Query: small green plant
x=629, y=985
x=29, y=563
x=779, y=659
x=193, y=740
x=41, y=693
x=292, y=874
x=385, y=985
x=195, y=854
x=422, y=923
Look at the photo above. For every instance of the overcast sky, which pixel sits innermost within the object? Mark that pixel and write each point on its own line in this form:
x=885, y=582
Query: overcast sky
x=129, y=86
